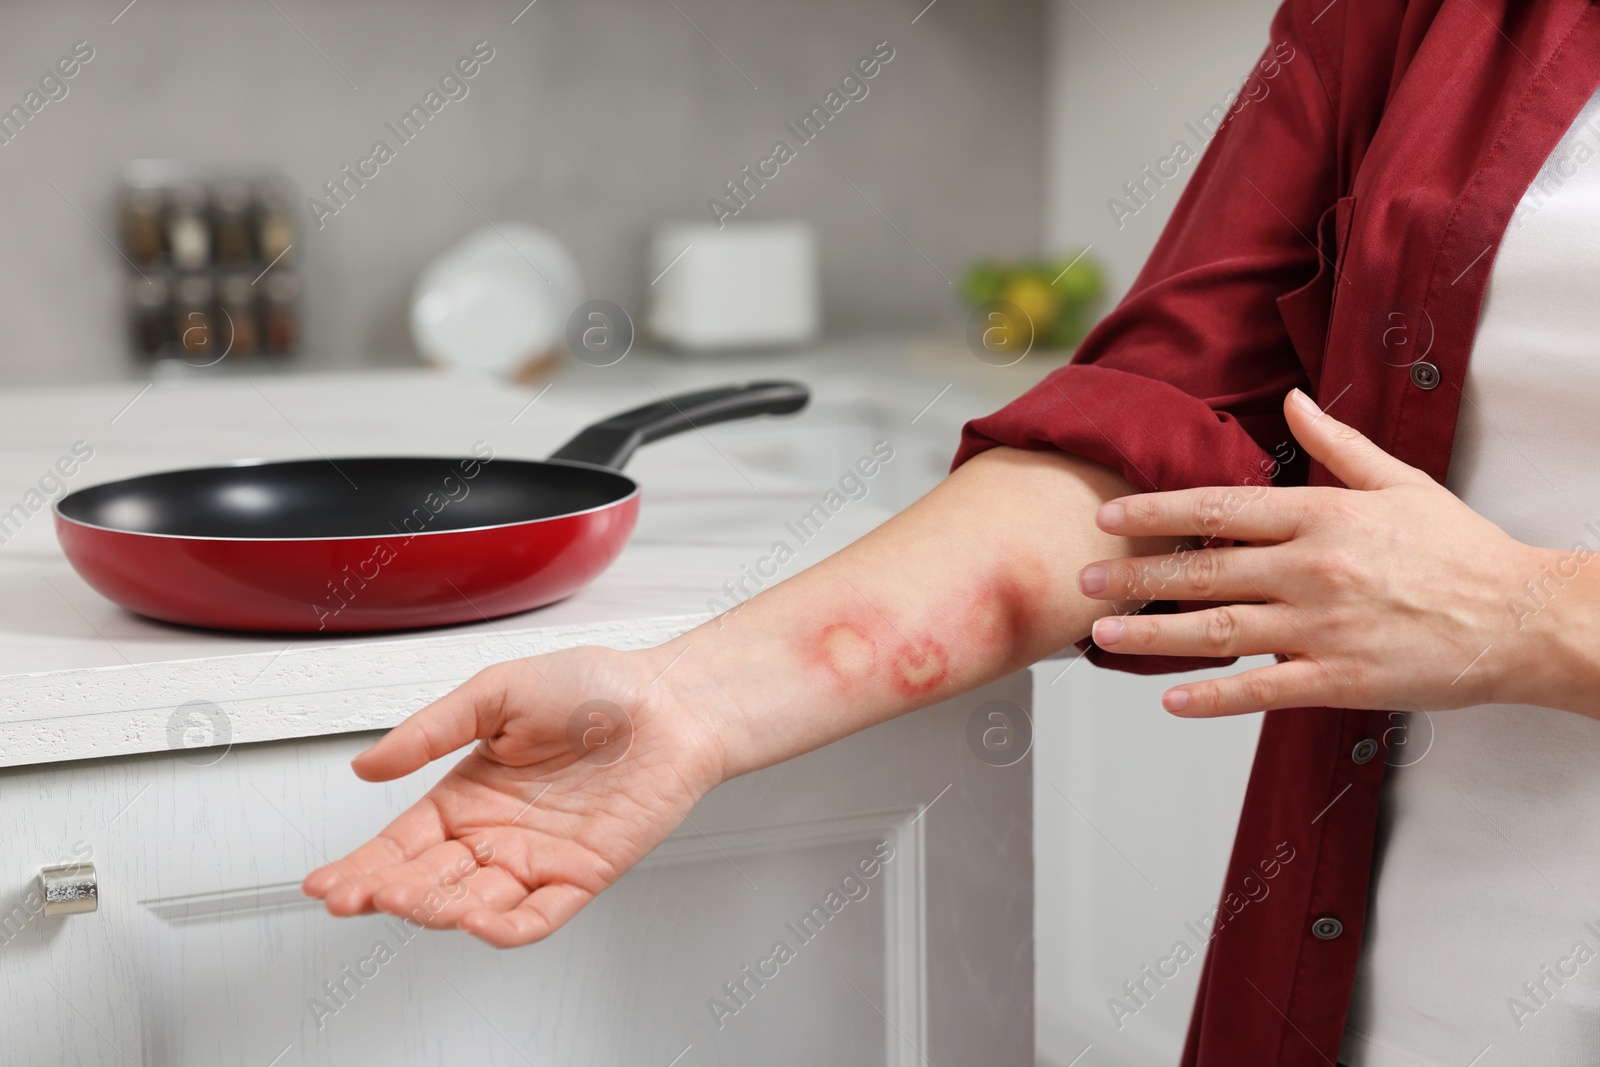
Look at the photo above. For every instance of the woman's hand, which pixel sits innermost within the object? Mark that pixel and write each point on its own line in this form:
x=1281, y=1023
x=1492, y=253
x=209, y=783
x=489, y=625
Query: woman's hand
x=1391, y=593
x=587, y=760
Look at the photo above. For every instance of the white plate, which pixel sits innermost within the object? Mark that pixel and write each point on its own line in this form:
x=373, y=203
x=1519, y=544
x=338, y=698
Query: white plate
x=496, y=300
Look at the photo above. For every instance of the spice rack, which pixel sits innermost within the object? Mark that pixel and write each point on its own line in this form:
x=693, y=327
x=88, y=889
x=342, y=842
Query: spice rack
x=213, y=271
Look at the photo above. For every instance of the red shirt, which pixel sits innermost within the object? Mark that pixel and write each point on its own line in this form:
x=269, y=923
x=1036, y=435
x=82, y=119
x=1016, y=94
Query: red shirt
x=1337, y=235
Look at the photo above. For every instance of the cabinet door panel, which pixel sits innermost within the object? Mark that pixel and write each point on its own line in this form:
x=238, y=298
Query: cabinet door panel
x=68, y=985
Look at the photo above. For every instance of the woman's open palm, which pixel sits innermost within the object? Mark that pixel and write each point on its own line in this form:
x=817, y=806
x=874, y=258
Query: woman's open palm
x=582, y=768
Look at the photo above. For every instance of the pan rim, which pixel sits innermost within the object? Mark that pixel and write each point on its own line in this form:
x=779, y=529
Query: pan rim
x=55, y=506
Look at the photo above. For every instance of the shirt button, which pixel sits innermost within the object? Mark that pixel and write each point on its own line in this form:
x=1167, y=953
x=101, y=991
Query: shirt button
x=1424, y=375
x=1327, y=928
x=1365, y=749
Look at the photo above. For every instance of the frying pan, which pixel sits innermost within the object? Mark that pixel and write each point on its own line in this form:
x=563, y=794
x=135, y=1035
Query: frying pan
x=379, y=543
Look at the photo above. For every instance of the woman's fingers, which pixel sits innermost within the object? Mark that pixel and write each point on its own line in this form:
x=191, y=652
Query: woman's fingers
x=534, y=918
x=418, y=828
x=1188, y=574
x=1261, y=513
x=1241, y=512
x=443, y=884
x=473, y=710
x=1346, y=452
x=1295, y=684
x=1234, y=630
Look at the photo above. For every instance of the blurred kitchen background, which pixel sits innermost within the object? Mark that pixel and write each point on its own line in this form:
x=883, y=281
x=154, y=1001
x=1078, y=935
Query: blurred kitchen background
x=995, y=134
x=595, y=121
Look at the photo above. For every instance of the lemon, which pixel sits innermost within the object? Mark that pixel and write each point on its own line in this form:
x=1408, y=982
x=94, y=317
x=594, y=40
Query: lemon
x=1034, y=297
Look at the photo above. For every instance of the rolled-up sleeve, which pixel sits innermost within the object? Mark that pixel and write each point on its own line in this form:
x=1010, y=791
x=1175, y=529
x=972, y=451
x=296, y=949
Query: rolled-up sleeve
x=1182, y=384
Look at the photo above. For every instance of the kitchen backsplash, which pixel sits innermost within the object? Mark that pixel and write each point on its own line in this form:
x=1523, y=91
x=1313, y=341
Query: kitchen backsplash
x=403, y=125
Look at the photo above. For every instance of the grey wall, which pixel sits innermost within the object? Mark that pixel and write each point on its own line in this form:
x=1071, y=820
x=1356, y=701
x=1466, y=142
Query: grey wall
x=594, y=120
x=1125, y=75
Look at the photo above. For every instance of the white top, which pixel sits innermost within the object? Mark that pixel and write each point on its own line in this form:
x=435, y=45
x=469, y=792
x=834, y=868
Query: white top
x=1483, y=942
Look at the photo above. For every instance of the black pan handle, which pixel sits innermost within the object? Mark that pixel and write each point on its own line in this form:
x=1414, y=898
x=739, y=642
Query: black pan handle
x=611, y=442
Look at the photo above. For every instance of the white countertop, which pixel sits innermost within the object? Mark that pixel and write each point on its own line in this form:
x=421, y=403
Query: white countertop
x=81, y=678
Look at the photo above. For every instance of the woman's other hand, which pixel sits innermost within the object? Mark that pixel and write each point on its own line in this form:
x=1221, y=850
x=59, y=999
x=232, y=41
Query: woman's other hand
x=1390, y=593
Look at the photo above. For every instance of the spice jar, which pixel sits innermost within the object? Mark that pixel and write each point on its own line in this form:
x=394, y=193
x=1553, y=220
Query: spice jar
x=188, y=236
x=274, y=223
x=142, y=239
x=231, y=223
x=147, y=304
x=194, y=319
x=280, y=315
x=236, y=303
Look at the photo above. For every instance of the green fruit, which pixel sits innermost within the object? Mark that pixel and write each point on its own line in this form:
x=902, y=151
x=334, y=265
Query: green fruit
x=1069, y=329
x=1082, y=283
x=983, y=283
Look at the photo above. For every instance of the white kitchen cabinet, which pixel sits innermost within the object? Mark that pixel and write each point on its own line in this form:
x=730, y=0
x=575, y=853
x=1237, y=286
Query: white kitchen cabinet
x=1134, y=815
x=203, y=951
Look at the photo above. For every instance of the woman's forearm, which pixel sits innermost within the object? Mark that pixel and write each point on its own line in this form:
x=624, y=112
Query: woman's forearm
x=553, y=805
x=976, y=580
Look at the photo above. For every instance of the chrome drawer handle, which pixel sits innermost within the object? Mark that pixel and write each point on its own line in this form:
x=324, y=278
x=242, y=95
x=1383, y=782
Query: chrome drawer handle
x=69, y=889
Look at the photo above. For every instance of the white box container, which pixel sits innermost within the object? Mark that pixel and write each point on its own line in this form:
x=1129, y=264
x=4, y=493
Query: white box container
x=747, y=285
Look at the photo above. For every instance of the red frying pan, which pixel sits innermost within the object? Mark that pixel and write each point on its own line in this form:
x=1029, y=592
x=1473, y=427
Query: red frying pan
x=379, y=543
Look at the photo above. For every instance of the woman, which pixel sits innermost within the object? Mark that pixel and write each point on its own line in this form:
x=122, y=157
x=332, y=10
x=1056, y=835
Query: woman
x=1337, y=241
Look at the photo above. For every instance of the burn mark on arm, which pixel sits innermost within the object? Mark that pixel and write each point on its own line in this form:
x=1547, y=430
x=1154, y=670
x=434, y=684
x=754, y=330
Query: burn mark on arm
x=999, y=614
x=845, y=650
x=920, y=668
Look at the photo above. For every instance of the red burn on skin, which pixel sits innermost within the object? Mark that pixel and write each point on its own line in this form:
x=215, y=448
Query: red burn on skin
x=849, y=654
x=920, y=669
x=845, y=651
x=1000, y=612
x=1005, y=609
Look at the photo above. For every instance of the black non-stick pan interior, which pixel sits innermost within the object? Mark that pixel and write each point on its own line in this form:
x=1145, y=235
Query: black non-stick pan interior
x=371, y=497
